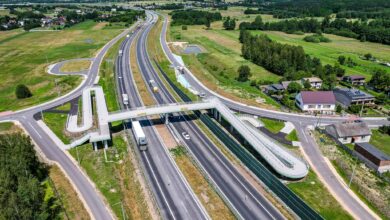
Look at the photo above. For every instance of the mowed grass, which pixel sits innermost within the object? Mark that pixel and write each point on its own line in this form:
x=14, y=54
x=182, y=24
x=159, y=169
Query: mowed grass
x=328, y=52
x=273, y=126
x=24, y=57
x=381, y=141
x=76, y=66
x=314, y=193
x=57, y=122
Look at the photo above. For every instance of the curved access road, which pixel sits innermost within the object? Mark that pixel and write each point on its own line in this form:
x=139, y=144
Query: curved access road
x=93, y=201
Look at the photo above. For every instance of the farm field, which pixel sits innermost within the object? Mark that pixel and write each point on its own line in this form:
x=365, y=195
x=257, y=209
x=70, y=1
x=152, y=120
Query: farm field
x=24, y=57
x=223, y=53
x=220, y=63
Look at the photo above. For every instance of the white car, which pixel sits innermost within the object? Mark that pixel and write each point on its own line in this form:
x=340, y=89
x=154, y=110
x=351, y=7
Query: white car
x=186, y=135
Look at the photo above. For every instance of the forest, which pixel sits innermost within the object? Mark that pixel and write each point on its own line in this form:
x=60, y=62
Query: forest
x=194, y=17
x=22, y=192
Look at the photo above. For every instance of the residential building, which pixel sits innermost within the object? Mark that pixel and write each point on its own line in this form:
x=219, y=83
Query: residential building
x=315, y=82
x=355, y=80
x=347, y=97
x=286, y=83
x=373, y=157
x=322, y=102
x=274, y=88
x=349, y=132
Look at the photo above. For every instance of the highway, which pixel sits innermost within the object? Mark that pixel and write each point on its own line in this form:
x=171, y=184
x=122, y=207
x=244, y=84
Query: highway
x=175, y=198
x=245, y=201
x=301, y=123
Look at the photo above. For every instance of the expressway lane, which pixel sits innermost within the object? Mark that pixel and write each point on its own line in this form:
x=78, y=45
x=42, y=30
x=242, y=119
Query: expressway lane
x=244, y=200
x=301, y=122
x=172, y=193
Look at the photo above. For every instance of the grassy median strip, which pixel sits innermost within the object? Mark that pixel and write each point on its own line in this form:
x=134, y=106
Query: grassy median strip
x=273, y=126
x=115, y=178
x=209, y=198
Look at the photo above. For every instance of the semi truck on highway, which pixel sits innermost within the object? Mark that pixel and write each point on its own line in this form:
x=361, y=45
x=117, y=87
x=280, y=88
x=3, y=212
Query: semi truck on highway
x=153, y=85
x=125, y=99
x=139, y=135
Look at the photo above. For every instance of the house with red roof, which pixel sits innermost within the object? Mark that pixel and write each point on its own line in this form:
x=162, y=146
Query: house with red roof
x=323, y=102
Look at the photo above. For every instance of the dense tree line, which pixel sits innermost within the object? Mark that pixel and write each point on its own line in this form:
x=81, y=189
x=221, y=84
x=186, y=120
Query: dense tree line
x=321, y=8
x=22, y=194
x=375, y=31
x=194, y=17
x=127, y=17
x=286, y=60
x=250, y=11
x=171, y=6
x=364, y=15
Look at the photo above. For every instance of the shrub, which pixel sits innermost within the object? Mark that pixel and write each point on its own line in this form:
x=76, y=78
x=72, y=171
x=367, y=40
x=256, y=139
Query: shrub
x=244, y=72
x=184, y=27
x=316, y=38
x=22, y=91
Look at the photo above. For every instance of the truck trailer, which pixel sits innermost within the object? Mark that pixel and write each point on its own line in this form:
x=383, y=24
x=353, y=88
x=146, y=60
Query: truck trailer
x=139, y=135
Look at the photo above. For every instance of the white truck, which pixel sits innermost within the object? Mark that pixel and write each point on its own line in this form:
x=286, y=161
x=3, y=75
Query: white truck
x=139, y=135
x=125, y=99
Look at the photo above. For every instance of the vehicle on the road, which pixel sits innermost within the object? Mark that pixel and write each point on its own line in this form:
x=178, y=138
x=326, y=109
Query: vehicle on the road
x=153, y=85
x=202, y=95
x=120, y=52
x=125, y=99
x=128, y=35
x=186, y=135
x=139, y=135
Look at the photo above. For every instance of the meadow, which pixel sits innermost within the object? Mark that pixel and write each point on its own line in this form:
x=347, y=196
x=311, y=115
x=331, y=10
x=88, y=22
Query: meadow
x=24, y=57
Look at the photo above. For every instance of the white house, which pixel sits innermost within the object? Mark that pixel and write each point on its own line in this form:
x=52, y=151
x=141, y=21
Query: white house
x=350, y=132
x=323, y=102
x=315, y=82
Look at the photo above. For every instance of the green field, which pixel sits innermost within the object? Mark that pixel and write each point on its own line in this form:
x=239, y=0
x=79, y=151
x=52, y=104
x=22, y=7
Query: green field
x=381, y=141
x=24, y=57
x=217, y=68
x=57, y=122
x=273, y=126
x=314, y=193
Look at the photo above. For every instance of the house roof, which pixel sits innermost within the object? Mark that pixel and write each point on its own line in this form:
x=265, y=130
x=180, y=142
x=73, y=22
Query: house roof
x=318, y=97
x=313, y=79
x=278, y=86
x=345, y=95
x=374, y=151
x=356, y=77
x=351, y=129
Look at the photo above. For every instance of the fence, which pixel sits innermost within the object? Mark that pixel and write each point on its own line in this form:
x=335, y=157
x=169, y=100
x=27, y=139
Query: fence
x=303, y=210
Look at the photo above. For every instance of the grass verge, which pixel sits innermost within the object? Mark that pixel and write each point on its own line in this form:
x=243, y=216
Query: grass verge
x=56, y=121
x=74, y=208
x=115, y=178
x=292, y=136
x=273, y=126
x=314, y=193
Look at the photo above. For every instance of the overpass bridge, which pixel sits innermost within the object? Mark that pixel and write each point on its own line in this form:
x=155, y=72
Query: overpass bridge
x=282, y=161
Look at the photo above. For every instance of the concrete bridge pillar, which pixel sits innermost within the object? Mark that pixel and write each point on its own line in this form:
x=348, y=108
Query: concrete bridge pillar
x=94, y=146
x=231, y=129
x=105, y=144
x=215, y=113
x=219, y=117
x=166, y=118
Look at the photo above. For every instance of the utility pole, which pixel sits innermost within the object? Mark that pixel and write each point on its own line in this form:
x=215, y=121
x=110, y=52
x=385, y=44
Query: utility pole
x=353, y=174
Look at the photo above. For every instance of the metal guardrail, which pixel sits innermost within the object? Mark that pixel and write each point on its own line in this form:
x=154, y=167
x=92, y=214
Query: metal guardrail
x=295, y=203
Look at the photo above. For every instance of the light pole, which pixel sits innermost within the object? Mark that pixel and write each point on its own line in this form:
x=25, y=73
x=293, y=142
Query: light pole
x=123, y=211
x=353, y=174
